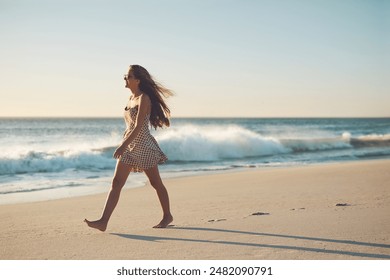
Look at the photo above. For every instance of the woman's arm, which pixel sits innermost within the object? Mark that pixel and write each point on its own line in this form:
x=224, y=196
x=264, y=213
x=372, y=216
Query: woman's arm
x=143, y=110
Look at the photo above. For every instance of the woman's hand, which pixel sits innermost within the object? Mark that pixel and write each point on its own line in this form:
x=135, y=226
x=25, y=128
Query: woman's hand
x=119, y=151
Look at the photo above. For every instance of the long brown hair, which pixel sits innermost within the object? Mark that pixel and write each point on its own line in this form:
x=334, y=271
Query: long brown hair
x=160, y=113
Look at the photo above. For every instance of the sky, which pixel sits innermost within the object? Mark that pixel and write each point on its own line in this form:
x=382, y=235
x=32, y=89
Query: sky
x=221, y=58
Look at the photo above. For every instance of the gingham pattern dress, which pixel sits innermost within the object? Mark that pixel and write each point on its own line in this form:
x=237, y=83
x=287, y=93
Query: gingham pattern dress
x=143, y=152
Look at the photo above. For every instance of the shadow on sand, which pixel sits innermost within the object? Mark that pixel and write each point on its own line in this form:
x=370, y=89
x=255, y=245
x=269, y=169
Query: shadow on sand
x=258, y=245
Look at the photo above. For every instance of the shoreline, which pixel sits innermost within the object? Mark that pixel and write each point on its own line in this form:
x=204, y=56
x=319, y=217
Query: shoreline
x=140, y=181
x=278, y=213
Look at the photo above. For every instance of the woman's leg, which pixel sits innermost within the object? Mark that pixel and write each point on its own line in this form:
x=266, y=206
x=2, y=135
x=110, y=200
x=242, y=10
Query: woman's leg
x=122, y=171
x=156, y=182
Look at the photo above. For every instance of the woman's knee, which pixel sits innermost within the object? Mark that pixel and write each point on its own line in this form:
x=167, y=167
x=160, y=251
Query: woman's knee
x=156, y=183
x=121, y=173
x=117, y=183
x=154, y=177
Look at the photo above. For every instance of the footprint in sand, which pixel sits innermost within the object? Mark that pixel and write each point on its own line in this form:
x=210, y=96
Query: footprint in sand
x=343, y=204
x=259, y=214
x=217, y=220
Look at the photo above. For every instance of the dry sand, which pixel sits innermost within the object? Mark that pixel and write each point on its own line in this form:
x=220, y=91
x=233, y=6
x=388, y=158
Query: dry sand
x=213, y=218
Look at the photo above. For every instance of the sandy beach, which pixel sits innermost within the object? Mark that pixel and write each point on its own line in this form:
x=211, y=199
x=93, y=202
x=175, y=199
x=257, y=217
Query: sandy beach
x=275, y=213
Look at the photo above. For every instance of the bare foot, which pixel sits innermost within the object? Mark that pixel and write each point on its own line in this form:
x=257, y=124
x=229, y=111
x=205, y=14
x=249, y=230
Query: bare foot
x=164, y=222
x=100, y=225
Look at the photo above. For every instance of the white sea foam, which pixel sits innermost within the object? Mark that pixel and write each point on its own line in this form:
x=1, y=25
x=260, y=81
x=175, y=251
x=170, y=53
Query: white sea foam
x=34, y=162
x=375, y=137
x=212, y=143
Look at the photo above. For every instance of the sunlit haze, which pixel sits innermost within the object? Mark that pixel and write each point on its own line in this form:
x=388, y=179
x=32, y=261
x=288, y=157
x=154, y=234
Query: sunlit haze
x=221, y=58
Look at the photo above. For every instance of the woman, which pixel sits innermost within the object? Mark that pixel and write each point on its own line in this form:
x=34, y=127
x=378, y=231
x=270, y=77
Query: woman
x=139, y=151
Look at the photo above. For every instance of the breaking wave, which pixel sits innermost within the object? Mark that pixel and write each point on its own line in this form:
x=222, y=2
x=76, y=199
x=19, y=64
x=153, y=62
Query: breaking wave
x=189, y=143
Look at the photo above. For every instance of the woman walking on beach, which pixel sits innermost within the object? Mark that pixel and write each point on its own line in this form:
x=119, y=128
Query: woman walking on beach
x=139, y=151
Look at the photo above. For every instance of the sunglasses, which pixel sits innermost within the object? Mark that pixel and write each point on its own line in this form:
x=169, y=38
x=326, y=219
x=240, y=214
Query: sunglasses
x=128, y=76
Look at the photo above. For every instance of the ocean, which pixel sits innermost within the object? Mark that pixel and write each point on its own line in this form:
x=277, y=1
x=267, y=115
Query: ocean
x=50, y=158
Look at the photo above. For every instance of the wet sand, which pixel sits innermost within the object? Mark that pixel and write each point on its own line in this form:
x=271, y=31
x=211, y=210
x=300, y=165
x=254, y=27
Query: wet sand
x=328, y=211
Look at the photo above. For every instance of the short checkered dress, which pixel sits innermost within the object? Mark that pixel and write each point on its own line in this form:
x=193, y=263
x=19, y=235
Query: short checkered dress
x=143, y=152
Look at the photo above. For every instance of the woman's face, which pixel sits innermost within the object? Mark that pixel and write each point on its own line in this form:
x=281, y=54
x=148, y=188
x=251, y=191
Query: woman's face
x=131, y=81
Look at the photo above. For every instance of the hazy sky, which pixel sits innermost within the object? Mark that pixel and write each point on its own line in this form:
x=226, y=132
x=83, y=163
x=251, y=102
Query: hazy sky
x=222, y=58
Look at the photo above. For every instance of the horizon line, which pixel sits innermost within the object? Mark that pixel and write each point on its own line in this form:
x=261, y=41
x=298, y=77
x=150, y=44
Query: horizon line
x=201, y=117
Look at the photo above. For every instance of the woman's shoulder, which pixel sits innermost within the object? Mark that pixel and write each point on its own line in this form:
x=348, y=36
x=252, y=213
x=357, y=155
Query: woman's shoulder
x=145, y=103
x=144, y=98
